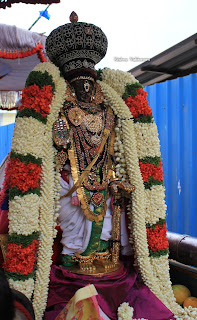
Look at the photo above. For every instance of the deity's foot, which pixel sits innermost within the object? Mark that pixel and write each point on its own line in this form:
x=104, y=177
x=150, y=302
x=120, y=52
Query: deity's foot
x=96, y=264
x=104, y=260
x=86, y=265
x=87, y=268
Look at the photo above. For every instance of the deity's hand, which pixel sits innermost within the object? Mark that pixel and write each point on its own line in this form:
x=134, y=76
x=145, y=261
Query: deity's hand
x=121, y=188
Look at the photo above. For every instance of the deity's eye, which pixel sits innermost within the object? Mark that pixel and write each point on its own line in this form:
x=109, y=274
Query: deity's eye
x=86, y=86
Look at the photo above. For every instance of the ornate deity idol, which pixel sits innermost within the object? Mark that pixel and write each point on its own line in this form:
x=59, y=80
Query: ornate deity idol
x=85, y=159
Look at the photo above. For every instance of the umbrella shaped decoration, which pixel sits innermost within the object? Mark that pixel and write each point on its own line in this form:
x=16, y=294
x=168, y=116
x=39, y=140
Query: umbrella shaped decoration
x=20, y=51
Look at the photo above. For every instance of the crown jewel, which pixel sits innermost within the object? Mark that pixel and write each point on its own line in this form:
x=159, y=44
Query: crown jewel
x=73, y=17
x=76, y=45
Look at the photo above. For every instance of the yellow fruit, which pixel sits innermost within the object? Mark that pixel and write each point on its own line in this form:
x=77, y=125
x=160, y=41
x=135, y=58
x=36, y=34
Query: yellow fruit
x=181, y=293
x=191, y=301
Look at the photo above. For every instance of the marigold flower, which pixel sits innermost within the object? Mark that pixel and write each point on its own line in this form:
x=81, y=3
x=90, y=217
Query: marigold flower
x=37, y=99
x=157, y=239
x=24, y=175
x=138, y=105
x=19, y=259
x=151, y=170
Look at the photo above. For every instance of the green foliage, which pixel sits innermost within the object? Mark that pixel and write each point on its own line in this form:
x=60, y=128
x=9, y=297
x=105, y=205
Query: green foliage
x=21, y=239
x=14, y=192
x=19, y=276
x=144, y=119
x=152, y=182
x=160, y=222
x=31, y=113
x=41, y=79
x=130, y=90
x=159, y=253
x=99, y=74
x=26, y=159
x=151, y=160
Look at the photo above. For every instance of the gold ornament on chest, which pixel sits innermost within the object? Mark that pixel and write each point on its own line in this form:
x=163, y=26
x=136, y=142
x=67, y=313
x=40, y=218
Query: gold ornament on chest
x=76, y=116
x=93, y=122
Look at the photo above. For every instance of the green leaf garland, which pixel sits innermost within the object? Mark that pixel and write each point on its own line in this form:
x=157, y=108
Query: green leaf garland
x=41, y=79
x=131, y=90
x=31, y=113
x=26, y=159
x=23, y=240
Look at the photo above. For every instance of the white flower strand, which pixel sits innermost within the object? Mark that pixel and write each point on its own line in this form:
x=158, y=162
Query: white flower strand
x=152, y=274
x=117, y=79
x=26, y=287
x=25, y=143
x=24, y=214
x=186, y=313
x=125, y=312
x=24, y=211
x=155, y=204
x=48, y=196
x=147, y=140
x=135, y=178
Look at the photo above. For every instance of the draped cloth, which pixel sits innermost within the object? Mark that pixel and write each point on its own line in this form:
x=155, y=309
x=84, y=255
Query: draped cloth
x=113, y=289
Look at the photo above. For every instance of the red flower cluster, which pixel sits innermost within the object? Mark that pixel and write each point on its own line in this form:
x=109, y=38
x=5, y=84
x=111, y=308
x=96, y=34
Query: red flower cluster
x=138, y=105
x=24, y=175
x=37, y=99
x=157, y=239
x=19, y=259
x=23, y=54
x=151, y=170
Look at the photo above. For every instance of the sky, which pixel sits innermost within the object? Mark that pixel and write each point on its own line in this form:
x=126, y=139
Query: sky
x=135, y=29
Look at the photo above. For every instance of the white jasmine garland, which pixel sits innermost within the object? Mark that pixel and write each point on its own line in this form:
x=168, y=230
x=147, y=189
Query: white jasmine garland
x=117, y=79
x=186, y=313
x=33, y=137
x=48, y=195
x=141, y=140
x=26, y=287
x=24, y=214
x=138, y=208
x=147, y=140
x=23, y=142
x=125, y=312
x=161, y=271
x=155, y=204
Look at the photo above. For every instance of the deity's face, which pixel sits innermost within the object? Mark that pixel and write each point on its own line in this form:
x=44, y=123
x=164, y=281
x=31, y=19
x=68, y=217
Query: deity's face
x=84, y=89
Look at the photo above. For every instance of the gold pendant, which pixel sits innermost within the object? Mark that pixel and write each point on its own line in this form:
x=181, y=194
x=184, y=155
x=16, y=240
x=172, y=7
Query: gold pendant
x=97, y=199
x=61, y=158
x=76, y=116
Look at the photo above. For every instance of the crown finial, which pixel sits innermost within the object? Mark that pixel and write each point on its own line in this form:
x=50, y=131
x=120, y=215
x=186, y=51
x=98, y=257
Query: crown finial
x=73, y=17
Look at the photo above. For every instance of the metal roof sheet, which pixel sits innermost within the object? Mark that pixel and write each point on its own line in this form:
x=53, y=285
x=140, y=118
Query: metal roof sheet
x=177, y=61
